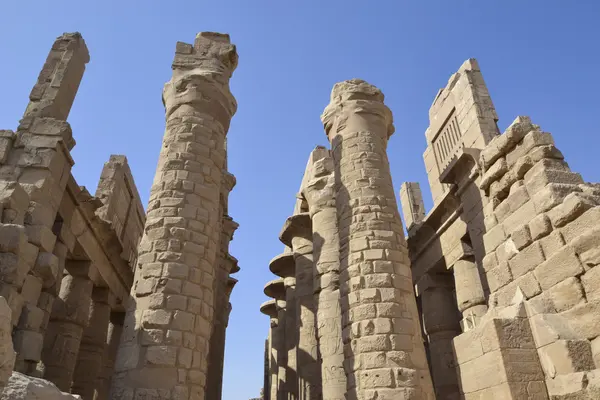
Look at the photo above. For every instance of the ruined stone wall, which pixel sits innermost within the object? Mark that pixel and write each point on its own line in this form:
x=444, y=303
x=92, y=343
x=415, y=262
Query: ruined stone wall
x=541, y=243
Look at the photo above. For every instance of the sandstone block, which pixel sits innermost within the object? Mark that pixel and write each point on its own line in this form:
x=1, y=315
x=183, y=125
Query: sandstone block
x=499, y=276
x=537, y=178
x=493, y=238
x=522, y=215
x=591, y=283
x=494, y=173
x=526, y=260
x=23, y=387
x=562, y=265
x=552, y=195
x=521, y=236
x=566, y=356
x=572, y=207
x=587, y=220
x=12, y=238
x=29, y=344
x=584, y=319
x=551, y=243
x=46, y=267
x=31, y=289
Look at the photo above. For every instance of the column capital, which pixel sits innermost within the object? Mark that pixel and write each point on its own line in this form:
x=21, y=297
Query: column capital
x=229, y=181
x=283, y=265
x=231, y=282
x=233, y=263
x=354, y=96
x=269, y=308
x=298, y=225
x=229, y=226
x=275, y=289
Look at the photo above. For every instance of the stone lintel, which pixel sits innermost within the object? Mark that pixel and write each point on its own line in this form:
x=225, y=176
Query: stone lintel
x=269, y=308
x=78, y=267
x=283, y=265
x=298, y=225
x=463, y=161
x=275, y=289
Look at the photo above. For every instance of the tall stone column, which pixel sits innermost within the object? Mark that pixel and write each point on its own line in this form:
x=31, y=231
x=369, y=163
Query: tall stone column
x=470, y=295
x=113, y=337
x=217, y=340
x=69, y=318
x=284, y=266
x=266, y=374
x=385, y=356
x=165, y=345
x=276, y=290
x=269, y=308
x=320, y=196
x=297, y=234
x=441, y=324
x=91, y=352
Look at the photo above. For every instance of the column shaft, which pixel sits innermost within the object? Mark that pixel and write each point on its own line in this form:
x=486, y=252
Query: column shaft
x=470, y=295
x=165, y=346
x=291, y=338
x=385, y=356
x=69, y=318
x=93, y=344
x=281, y=389
x=113, y=337
x=309, y=370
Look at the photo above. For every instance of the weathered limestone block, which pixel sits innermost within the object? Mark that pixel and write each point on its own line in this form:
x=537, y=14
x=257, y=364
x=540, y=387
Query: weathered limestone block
x=184, y=217
x=358, y=125
x=23, y=387
x=7, y=354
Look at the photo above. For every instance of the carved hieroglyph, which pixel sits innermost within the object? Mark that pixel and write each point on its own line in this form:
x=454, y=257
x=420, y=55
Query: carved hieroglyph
x=382, y=336
x=165, y=343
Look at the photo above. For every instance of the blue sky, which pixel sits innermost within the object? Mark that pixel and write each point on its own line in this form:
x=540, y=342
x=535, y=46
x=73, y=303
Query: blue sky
x=539, y=58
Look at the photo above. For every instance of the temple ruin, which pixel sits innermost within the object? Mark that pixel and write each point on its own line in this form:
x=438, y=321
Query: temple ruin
x=494, y=293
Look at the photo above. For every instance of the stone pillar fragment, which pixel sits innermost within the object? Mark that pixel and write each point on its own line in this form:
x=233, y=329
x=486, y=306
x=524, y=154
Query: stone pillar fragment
x=320, y=196
x=470, y=296
x=113, y=337
x=441, y=323
x=276, y=290
x=297, y=234
x=284, y=266
x=269, y=308
x=165, y=346
x=385, y=356
x=69, y=318
x=413, y=207
x=91, y=352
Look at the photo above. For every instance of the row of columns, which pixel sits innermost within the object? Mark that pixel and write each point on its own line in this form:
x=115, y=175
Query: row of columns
x=357, y=323
x=81, y=337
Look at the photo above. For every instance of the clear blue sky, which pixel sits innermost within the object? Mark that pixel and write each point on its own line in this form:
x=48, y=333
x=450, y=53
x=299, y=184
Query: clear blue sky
x=539, y=58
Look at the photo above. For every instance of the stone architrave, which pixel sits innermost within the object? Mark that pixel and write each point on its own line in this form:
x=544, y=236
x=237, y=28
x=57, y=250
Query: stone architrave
x=319, y=192
x=91, y=351
x=69, y=318
x=297, y=234
x=165, y=345
x=382, y=335
x=284, y=266
x=470, y=296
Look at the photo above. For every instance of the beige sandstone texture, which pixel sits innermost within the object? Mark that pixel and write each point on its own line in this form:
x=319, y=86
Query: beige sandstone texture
x=494, y=294
x=503, y=267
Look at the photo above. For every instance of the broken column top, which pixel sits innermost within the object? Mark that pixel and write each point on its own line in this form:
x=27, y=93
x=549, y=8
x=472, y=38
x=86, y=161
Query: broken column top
x=358, y=96
x=58, y=81
x=210, y=50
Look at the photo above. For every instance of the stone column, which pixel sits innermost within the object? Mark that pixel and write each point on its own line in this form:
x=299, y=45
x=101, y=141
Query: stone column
x=91, y=352
x=385, y=356
x=266, y=374
x=276, y=290
x=297, y=234
x=165, y=345
x=113, y=337
x=284, y=266
x=470, y=296
x=69, y=318
x=320, y=196
x=270, y=308
x=441, y=322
